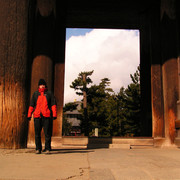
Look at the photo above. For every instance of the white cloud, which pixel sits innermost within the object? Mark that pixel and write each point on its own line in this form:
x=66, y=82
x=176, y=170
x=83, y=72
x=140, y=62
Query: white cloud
x=110, y=53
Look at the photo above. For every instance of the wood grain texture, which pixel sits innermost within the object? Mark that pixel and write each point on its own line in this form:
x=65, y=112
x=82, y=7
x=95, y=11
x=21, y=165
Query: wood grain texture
x=13, y=45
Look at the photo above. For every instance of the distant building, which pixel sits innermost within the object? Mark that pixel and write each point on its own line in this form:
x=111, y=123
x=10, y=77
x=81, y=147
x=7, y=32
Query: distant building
x=73, y=117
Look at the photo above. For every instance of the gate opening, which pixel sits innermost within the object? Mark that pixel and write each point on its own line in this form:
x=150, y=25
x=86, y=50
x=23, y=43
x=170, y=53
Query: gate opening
x=113, y=57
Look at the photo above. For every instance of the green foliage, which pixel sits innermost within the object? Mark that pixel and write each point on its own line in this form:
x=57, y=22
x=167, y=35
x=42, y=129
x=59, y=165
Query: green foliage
x=66, y=128
x=113, y=114
x=79, y=85
x=99, y=109
x=130, y=107
x=69, y=107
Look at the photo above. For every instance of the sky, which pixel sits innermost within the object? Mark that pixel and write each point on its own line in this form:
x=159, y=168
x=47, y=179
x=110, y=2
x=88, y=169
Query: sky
x=111, y=53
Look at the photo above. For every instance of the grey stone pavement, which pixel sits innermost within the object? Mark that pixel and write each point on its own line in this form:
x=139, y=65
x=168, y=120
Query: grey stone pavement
x=90, y=164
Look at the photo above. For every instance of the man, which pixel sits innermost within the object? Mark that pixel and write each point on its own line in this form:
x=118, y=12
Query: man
x=43, y=107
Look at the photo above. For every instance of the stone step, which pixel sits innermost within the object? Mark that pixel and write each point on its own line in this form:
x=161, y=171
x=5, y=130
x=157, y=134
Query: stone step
x=119, y=146
x=113, y=142
x=134, y=141
x=142, y=147
x=97, y=146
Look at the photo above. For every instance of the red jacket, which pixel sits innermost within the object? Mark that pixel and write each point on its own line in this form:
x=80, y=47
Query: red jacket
x=42, y=103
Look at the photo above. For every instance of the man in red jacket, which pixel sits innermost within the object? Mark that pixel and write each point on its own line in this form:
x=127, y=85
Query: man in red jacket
x=43, y=107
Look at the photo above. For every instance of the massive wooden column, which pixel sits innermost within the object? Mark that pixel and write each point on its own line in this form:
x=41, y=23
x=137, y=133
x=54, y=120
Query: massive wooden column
x=59, y=69
x=169, y=68
x=42, y=67
x=48, y=58
x=156, y=77
x=177, y=122
x=59, y=93
x=43, y=45
x=145, y=79
x=13, y=73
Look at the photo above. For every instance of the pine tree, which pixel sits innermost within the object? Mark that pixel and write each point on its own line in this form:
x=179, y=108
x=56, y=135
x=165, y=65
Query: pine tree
x=66, y=128
x=113, y=114
x=99, y=97
x=130, y=99
x=80, y=86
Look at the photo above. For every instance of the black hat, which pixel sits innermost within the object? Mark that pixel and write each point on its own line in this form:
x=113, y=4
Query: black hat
x=42, y=82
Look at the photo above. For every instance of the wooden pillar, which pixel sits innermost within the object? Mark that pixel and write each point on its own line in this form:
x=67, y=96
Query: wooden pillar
x=42, y=67
x=43, y=43
x=157, y=101
x=169, y=68
x=59, y=68
x=156, y=76
x=59, y=93
x=13, y=73
x=145, y=71
x=177, y=122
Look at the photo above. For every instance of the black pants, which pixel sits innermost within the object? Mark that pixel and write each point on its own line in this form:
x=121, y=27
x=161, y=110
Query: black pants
x=46, y=124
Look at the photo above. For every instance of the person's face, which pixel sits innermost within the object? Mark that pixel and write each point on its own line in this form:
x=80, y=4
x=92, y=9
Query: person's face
x=41, y=86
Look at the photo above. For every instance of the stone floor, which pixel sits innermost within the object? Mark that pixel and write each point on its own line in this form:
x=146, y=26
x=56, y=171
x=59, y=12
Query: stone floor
x=91, y=164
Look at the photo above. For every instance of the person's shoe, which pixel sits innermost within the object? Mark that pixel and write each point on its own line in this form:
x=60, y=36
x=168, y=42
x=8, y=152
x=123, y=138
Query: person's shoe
x=47, y=152
x=44, y=150
x=38, y=151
